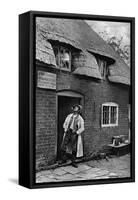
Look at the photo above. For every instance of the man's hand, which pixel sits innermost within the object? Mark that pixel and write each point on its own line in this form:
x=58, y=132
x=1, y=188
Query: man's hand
x=74, y=132
x=77, y=133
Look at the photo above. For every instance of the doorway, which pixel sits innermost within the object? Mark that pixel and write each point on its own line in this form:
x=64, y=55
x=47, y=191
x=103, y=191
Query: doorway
x=64, y=108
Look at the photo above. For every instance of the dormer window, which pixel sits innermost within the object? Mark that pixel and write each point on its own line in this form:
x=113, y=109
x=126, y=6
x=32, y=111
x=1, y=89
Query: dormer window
x=102, y=67
x=63, y=57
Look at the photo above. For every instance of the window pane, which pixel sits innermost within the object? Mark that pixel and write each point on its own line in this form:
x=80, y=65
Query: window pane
x=102, y=67
x=64, y=58
x=56, y=52
x=105, y=114
x=113, y=115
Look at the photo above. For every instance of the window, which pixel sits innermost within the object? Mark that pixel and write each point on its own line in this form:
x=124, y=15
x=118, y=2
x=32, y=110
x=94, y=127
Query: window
x=63, y=57
x=109, y=114
x=102, y=67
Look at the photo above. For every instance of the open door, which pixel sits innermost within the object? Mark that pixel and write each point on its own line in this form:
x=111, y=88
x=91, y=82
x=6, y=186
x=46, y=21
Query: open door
x=64, y=108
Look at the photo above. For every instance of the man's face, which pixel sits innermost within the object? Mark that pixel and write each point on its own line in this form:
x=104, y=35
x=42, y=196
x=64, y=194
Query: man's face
x=76, y=109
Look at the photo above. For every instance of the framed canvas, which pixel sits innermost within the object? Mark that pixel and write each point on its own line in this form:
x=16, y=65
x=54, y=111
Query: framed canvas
x=76, y=99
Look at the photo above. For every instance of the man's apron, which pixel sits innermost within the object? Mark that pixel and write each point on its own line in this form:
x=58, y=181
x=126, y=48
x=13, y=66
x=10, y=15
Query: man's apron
x=71, y=141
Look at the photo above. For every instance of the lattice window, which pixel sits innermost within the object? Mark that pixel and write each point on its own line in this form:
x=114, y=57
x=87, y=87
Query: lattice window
x=63, y=57
x=109, y=114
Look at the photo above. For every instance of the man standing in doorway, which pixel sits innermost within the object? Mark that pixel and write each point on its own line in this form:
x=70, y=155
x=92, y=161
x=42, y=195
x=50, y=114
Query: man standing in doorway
x=72, y=139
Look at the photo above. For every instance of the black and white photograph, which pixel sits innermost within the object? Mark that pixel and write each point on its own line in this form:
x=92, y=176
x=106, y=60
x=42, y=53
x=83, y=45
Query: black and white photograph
x=83, y=99
x=68, y=92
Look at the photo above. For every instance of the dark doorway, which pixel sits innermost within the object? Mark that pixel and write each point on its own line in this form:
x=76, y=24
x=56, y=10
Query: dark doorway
x=64, y=108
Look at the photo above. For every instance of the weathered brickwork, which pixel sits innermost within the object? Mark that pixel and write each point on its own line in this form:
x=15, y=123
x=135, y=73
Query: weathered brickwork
x=45, y=126
x=95, y=94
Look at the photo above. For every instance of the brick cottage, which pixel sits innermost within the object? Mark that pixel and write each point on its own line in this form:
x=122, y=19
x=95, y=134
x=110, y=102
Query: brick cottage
x=75, y=65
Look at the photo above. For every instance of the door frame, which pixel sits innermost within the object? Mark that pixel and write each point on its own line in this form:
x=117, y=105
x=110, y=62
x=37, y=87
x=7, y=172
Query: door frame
x=65, y=93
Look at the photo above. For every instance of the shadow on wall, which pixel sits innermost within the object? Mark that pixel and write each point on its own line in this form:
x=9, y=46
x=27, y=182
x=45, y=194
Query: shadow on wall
x=13, y=180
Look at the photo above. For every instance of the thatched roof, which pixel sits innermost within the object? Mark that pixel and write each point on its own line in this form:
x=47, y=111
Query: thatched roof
x=44, y=50
x=89, y=67
x=119, y=72
x=78, y=34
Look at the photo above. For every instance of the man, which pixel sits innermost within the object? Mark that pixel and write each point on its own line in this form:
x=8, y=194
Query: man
x=72, y=139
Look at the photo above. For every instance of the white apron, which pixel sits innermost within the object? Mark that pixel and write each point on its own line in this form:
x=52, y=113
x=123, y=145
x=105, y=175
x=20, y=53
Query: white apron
x=79, y=132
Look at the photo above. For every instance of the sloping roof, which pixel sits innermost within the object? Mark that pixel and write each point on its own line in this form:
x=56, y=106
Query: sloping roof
x=89, y=68
x=119, y=72
x=44, y=50
x=78, y=34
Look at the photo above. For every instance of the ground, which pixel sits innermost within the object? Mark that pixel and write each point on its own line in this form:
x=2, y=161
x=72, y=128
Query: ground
x=116, y=167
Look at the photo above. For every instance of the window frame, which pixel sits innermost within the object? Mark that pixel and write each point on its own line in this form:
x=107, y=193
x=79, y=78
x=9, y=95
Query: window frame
x=59, y=48
x=110, y=104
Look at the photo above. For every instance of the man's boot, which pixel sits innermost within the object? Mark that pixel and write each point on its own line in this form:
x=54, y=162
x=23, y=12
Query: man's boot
x=73, y=160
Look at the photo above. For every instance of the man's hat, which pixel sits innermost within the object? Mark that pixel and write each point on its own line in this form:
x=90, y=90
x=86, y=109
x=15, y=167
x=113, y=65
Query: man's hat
x=79, y=107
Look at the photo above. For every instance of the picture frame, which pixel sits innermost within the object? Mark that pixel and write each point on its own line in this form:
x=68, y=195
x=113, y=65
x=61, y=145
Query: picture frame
x=45, y=82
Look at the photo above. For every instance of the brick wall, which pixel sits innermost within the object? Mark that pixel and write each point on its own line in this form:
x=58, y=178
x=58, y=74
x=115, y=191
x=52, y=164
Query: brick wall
x=95, y=93
x=45, y=126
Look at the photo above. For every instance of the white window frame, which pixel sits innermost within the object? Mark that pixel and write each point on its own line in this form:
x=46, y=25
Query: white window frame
x=110, y=104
